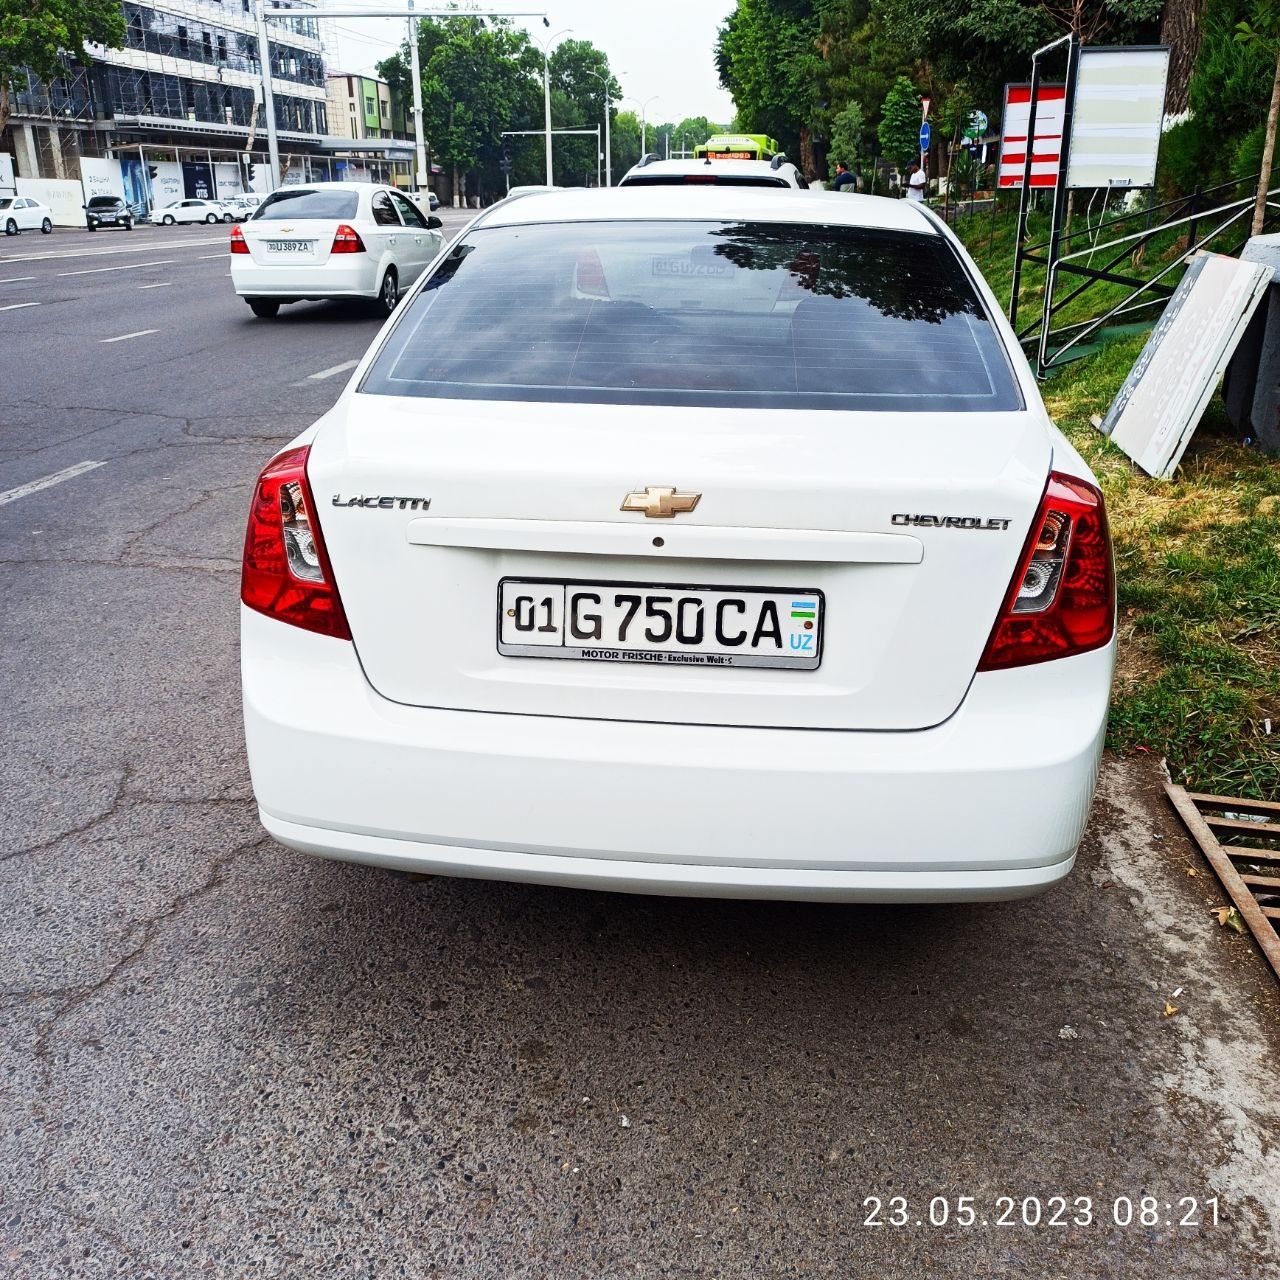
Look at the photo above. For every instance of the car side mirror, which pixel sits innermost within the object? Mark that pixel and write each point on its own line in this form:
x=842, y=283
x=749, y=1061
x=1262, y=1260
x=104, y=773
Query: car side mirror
x=434, y=223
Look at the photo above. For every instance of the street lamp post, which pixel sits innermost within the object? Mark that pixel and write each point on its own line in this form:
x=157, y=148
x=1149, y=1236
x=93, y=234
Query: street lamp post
x=608, y=154
x=644, y=134
x=546, y=92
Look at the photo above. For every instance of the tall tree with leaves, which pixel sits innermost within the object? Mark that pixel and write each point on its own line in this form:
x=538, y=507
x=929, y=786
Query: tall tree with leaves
x=899, y=130
x=1263, y=31
x=34, y=33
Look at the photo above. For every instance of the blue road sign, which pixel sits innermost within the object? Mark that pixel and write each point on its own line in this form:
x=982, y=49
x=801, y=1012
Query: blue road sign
x=925, y=134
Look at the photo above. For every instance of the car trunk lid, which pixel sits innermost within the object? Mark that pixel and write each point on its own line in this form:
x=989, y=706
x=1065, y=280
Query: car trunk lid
x=909, y=526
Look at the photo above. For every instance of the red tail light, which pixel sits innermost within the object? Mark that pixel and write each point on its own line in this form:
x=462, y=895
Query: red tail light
x=238, y=244
x=591, y=277
x=347, y=240
x=1062, y=598
x=286, y=573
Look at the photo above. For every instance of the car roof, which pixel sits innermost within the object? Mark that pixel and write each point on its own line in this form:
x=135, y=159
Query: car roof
x=328, y=186
x=703, y=203
x=763, y=168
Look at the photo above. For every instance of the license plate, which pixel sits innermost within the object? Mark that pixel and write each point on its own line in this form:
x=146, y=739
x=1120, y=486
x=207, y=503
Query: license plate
x=662, y=623
x=288, y=246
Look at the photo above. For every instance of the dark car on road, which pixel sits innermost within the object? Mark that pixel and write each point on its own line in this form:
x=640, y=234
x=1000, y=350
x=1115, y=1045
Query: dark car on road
x=109, y=211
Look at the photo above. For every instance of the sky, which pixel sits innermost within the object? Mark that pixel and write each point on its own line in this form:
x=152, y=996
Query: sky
x=655, y=47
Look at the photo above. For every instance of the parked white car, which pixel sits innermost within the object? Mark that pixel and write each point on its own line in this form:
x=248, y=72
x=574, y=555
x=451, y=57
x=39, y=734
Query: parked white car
x=21, y=213
x=708, y=543
x=652, y=172
x=242, y=207
x=332, y=240
x=193, y=211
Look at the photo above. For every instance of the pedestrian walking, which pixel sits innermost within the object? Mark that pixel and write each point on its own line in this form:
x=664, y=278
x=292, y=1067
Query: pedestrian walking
x=844, y=179
x=916, y=183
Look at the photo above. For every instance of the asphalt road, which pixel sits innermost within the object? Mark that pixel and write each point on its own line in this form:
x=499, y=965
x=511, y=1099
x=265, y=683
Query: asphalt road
x=220, y=1057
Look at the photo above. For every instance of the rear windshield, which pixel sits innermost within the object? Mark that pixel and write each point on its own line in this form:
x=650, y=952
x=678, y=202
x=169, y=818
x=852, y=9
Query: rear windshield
x=306, y=203
x=707, y=179
x=103, y=202
x=752, y=315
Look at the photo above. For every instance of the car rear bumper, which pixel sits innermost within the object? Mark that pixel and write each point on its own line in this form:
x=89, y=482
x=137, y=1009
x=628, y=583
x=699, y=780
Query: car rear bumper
x=349, y=279
x=989, y=805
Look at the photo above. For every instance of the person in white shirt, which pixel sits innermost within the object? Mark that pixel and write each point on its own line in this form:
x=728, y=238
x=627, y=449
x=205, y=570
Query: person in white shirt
x=916, y=183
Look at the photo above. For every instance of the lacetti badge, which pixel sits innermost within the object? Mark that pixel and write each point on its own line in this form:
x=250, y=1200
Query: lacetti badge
x=383, y=501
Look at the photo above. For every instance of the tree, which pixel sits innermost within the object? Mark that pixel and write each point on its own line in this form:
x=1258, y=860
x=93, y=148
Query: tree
x=477, y=80
x=768, y=58
x=899, y=130
x=848, y=137
x=35, y=33
x=579, y=76
x=1263, y=32
x=1180, y=29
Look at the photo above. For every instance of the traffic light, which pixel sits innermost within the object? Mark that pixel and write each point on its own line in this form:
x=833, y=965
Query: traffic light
x=249, y=170
x=152, y=171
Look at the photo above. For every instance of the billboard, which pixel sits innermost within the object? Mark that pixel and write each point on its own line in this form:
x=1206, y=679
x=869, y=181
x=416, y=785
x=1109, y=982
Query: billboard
x=1165, y=394
x=1046, y=154
x=1119, y=112
x=100, y=177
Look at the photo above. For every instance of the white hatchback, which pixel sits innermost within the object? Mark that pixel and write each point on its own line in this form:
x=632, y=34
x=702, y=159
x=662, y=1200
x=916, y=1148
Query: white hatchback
x=332, y=240
x=21, y=213
x=193, y=211
x=710, y=544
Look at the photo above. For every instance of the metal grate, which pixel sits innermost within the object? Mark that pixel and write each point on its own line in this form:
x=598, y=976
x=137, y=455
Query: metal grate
x=1241, y=840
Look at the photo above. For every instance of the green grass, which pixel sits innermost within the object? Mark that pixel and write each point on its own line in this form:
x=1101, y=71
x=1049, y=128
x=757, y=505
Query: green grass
x=1197, y=557
x=1198, y=569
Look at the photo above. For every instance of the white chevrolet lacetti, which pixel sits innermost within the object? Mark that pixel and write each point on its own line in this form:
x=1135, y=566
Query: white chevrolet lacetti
x=332, y=240
x=708, y=543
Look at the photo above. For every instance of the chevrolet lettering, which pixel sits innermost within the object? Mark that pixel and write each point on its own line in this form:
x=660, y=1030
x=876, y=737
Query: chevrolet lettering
x=949, y=522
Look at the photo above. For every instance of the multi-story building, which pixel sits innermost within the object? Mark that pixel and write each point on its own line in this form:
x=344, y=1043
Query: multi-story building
x=364, y=109
x=179, y=104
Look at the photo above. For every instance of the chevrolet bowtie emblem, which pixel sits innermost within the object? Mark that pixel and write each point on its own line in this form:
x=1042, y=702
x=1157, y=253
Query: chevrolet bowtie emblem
x=660, y=501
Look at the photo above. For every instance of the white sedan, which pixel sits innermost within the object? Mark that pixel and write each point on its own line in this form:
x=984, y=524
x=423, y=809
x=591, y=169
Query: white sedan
x=332, y=240
x=21, y=213
x=680, y=543
x=194, y=211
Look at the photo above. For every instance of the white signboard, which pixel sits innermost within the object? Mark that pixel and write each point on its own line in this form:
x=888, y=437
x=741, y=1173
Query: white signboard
x=100, y=178
x=64, y=196
x=6, y=174
x=1119, y=111
x=166, y=186
x=1160, y=405
x=1046, y=154
x=227, y=176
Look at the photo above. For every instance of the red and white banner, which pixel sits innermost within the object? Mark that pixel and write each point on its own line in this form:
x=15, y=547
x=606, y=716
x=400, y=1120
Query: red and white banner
x=1046, y=154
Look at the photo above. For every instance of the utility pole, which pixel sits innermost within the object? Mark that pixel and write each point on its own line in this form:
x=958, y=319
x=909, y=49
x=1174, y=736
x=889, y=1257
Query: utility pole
x=644, y=130
x=268, y=95
x=422, y=178
x=546, y=93
x=608, y=153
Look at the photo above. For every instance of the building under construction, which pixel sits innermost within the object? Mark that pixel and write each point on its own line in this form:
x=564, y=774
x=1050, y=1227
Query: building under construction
x=178, y=108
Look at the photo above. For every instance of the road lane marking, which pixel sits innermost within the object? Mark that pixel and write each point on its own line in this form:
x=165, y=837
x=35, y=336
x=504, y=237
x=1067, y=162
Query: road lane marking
x=329, y=373
x=12, y=495
x=150, y=247
x=15, y=279
x=205, y=256
x=124, y=337
x=128, y=266
x=164, y=285
x=17, y=306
